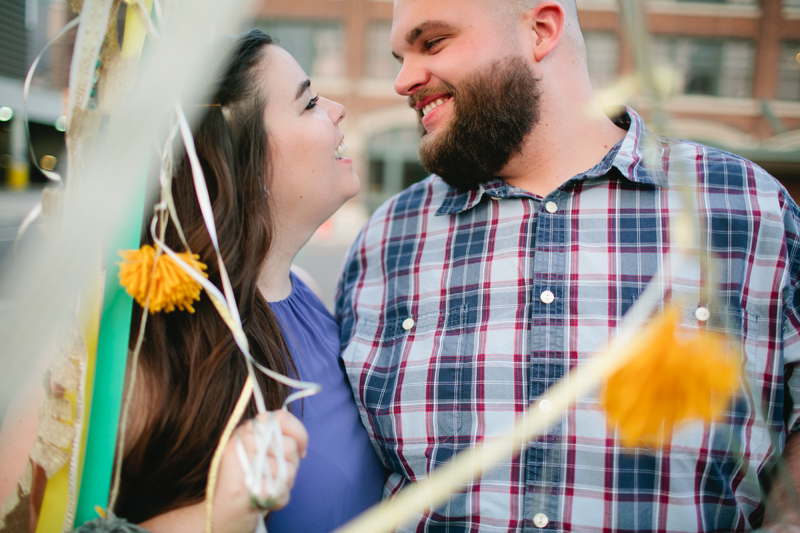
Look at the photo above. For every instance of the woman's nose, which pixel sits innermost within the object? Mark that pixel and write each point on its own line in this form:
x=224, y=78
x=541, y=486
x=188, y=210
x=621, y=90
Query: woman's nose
x=336, y=111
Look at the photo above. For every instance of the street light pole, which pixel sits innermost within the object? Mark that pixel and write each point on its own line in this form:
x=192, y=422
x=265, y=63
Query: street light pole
x=19, y=170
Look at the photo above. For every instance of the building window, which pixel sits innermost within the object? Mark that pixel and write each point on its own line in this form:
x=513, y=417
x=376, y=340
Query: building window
x=318, y=46
x=602, y=56
x=736, y=2
x=710, y=67
x=789, y=71
x=393, y=164
x=378, y=59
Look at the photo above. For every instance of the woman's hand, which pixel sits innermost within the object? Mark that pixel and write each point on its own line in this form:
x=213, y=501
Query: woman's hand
x=232, y=509
x=231, y=482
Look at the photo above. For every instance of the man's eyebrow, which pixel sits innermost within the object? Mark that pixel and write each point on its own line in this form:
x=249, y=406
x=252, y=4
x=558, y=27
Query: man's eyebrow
x=429, y=25
x=303, y=87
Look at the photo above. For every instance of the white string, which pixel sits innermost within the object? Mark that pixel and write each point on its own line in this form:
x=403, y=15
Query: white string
x=26, y=88
x=165, y=178
x=205, y=208
x=27, y=221
x=306, y=388
x=264, y=485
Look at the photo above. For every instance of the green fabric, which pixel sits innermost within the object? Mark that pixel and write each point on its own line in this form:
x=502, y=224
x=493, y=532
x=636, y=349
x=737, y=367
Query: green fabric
x=112, y=354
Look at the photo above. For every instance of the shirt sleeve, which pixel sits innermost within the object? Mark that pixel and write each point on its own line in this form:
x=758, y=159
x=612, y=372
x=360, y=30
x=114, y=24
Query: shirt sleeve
x=791, y=318
x=352, y=270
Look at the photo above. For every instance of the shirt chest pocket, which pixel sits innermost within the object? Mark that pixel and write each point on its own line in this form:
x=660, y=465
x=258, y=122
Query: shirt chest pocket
x=742, y=427
x=414, y=375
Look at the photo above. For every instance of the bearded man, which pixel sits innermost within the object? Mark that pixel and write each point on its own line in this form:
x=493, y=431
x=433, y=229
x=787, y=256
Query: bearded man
x=470, y=293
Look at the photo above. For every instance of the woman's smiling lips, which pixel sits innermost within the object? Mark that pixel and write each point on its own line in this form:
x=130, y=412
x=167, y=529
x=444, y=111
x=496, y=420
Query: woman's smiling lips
x=340, y=149
x=338, y=154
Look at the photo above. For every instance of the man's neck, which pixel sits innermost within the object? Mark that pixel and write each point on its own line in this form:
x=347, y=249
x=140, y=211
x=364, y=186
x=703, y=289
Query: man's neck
x=560, y=147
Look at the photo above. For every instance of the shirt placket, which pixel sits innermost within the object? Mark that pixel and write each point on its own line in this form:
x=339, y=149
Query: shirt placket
x=543, y=460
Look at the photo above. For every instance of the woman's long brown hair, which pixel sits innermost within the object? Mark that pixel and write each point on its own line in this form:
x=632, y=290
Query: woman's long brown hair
x=191, y=370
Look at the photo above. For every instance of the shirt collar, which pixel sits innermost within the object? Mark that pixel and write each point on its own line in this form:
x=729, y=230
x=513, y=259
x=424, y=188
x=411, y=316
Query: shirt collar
x=638, y=157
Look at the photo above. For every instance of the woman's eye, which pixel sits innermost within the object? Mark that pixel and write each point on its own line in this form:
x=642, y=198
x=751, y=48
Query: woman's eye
x=313, y=102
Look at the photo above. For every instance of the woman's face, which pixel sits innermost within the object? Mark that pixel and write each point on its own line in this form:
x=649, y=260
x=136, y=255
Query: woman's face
x=310, y=179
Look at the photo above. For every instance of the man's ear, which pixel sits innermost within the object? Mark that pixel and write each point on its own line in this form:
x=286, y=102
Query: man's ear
x=546, y=22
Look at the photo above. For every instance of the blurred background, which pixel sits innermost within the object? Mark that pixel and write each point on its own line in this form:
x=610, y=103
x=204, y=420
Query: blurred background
x=722, y=72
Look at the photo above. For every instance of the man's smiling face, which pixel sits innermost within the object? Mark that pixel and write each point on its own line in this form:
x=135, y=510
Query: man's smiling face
x=439, y=42
x=474, y=92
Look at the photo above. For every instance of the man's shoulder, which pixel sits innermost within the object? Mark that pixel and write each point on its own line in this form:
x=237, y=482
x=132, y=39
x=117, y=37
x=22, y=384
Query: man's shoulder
x=719, y=158
x=397, y=219
x=421, y=196
x=386, y=235
x=719, y=168
x=733, y=186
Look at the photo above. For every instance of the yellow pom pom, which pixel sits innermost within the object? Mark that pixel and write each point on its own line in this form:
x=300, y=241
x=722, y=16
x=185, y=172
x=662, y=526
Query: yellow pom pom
x=682, y=375
x=169, y=288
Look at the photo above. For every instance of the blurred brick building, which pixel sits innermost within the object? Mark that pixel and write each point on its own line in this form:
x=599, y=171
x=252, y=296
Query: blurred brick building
x=735, y=76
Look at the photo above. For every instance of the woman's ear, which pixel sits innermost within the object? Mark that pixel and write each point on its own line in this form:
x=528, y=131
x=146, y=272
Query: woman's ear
x=546, y=22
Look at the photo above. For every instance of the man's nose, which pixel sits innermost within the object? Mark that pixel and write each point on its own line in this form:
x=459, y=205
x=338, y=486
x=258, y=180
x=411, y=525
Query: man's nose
x=411, y=77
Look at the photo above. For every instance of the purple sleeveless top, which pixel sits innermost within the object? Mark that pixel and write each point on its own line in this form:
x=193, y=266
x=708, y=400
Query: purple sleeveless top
x=341, y=475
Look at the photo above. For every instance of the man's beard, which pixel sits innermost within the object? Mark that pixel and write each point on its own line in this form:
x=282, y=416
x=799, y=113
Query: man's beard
x=493, y=111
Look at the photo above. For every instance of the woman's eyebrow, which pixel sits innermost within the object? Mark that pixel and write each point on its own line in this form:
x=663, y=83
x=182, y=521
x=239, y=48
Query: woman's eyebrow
x=303, y=87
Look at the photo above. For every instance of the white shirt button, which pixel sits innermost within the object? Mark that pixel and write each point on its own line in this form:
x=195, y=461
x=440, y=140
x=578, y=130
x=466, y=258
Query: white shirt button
x=551, y=207
x=408, y=323
x=540, y=520
x=547, y=297
x=702, y=314
x=545, y=406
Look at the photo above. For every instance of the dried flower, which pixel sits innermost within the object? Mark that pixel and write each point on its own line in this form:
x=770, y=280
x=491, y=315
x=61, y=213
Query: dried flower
x=169, y=288
x=681, y=375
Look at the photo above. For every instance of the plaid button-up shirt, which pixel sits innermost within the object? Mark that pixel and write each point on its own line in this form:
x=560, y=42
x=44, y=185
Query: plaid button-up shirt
x=459, y=309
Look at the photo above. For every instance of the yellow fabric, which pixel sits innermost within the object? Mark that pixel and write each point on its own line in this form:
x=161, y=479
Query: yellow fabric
x=53, y=446
x=135, y=31
x=58, y=505
x=57, y=434
x=89, y=316
x=55, y=502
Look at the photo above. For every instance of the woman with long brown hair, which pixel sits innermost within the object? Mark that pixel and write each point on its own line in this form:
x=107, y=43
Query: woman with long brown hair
x=270, y=150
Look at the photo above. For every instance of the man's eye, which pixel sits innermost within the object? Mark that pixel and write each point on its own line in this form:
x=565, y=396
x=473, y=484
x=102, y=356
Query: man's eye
x=313, y=102
x=433, y=42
